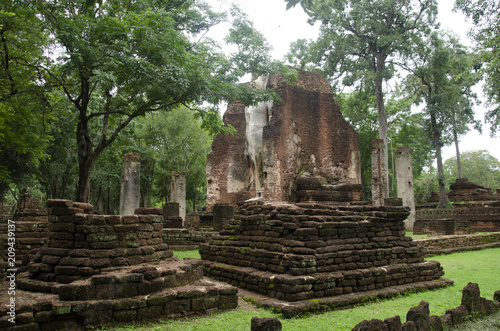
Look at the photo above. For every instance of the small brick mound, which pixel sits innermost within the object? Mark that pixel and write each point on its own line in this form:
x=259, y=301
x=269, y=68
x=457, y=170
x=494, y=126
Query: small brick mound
x=419, y=319
x=107, y=269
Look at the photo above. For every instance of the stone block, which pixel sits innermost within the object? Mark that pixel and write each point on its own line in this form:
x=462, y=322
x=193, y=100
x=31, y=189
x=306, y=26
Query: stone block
x=436, y=323
x=228, y=302
x=43, y=316
x=371, y=325
x=265, y=324
x=58, y=203
x=152, y=286
x=458, y=314
x=125, y=315
x=393, y=323
x=129, y=303
x=496, y=296
x=471, y=297
x=420, y=316
x=409, y=326
x=149, y=313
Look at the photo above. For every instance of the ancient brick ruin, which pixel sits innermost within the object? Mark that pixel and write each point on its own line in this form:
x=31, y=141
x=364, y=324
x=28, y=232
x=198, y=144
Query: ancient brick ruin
x=305, y=238
x=106, y=269
x=474, y=209
x=298, y=252
x=306, y=150
x=32, y=231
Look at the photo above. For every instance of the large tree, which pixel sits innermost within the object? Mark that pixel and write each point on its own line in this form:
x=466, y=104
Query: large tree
x=363, y=40
x=485, y=15
x=360, y=110
x=443, y=78
x=119, y=60
x=23, y=106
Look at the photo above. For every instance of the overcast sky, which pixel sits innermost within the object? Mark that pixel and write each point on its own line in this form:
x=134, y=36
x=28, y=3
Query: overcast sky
x=281, y=27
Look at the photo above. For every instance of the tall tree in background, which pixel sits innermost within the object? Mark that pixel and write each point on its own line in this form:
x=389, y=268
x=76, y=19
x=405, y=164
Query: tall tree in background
x=360, y=110
x=485, y=15
x=443, y=78
x=363, y=40
x=122, y=59
x=23, y=103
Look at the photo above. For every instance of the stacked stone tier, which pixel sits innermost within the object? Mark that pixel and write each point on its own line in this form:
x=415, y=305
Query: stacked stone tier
x=300, y=251
x=82, y=245
x=305, y=239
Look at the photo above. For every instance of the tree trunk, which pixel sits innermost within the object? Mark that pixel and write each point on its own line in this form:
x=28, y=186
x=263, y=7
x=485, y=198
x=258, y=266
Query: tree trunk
x=86, y=159
x=459, y=161
x=382, y=126
x=436, y=134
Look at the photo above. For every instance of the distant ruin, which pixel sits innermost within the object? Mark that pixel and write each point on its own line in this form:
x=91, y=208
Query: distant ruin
x=300, y=149
x=473, y=208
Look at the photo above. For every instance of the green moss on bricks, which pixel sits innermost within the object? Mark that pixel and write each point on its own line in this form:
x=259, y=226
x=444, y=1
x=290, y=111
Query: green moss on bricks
x=61, y=310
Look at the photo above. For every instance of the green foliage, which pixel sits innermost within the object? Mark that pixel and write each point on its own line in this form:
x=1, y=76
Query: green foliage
x=361, y=40
x=443, y=77
x=359, y=109
x=479, y=167
x=425, y=184
x=57, y=172
x=175, y=142
x=485, y=15
x=23, y=107
x=119, y=60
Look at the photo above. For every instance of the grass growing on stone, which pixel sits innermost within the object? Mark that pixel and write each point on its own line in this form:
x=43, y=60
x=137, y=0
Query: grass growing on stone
x=187, y=254
x=480, y=267
x=416, y=236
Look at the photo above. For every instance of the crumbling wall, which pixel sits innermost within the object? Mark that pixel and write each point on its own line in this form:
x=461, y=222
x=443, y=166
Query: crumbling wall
x=306, y=135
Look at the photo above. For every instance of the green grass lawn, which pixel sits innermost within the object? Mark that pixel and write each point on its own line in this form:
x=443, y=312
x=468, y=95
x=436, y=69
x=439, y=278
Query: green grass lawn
x=482, y=267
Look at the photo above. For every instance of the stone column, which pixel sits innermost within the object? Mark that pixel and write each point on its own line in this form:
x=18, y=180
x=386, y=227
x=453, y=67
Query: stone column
x=178, y=192
x=404, y=177
x=130, y=191
x=380, y=187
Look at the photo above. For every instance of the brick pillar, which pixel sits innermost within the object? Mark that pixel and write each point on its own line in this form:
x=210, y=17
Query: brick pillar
x=223, y=214
x=130, y=190
x=178, y=192
x=171, y=209
x=380, y=187
x=404, y=178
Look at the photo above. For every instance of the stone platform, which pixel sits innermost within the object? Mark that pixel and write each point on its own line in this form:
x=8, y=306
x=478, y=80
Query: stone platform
x=98, y=270
x=344, y=301
x=308, y=251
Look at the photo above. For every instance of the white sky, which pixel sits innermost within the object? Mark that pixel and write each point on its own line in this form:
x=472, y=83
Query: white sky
x=281, y=27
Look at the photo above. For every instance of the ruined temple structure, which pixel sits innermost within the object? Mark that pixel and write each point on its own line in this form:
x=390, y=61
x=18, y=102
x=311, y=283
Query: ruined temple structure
x=300, y=149
x=31, y=229
x=98, y=270
x=304, y=239
x=474, y=209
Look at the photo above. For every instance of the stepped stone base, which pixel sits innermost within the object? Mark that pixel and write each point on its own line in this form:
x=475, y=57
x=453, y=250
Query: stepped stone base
x=296, y=288
x=45, y=311
x=312, y=251
x=99, y=270
x=303, y=308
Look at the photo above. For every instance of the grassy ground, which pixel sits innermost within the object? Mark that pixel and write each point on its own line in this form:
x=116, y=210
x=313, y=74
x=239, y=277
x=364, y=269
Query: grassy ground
x=480, y=267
